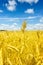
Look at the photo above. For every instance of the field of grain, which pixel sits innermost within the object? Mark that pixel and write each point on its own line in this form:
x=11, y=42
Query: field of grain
x=21, y=48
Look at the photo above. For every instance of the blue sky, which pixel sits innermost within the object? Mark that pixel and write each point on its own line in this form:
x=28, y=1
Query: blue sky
x=14, y=12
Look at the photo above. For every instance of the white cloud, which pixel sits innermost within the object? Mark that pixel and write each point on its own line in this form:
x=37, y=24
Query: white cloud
x=37, y=26
x=11, y=5
x=41, y=20
x=10, y=20
x=15, y=19
x=32, y=17
x=11, y=24
x=14, y=26
x=29, y=11
x=1, y=11
x=29, y=1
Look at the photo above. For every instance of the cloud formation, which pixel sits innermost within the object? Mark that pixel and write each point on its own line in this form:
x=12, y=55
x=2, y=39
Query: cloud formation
x=29, y=11
x=37, y=26
x=29, y=1
x=13, y=23
x=11, y=5
x=14, y=26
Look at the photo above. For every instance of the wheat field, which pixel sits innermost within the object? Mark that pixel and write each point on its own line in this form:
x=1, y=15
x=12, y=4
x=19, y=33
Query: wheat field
x=21, y=48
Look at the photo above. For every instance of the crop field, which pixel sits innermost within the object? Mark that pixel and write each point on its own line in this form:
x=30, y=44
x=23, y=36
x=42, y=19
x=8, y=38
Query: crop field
x=21, y=48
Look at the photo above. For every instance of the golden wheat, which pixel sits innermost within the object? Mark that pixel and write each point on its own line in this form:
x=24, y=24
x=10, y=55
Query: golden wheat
x=21, y=48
